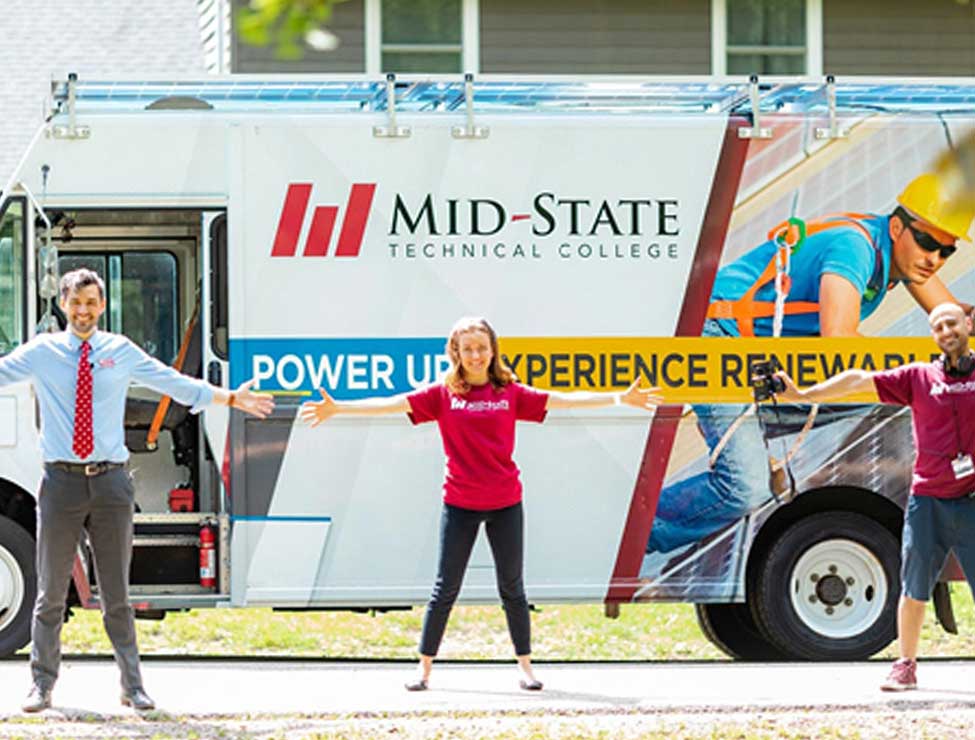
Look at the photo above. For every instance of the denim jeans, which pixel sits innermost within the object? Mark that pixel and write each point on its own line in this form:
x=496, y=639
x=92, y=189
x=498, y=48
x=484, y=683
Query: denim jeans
x=505, y=530
x=695, y=507
x=932, y=528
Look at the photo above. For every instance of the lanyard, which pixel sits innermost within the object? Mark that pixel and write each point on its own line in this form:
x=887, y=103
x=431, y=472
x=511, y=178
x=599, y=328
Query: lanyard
x=954, y=415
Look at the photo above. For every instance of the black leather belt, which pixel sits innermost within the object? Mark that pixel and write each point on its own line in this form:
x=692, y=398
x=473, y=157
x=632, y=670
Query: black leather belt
x=87, y=469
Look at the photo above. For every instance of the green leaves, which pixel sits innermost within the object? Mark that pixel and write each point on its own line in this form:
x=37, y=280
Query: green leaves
x=285, y=24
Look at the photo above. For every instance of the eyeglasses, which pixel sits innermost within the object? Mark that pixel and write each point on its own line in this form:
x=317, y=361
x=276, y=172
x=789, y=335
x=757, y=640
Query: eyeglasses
x=929, y=244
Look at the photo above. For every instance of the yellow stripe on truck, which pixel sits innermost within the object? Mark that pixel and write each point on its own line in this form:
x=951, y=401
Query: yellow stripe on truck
x=699, y=369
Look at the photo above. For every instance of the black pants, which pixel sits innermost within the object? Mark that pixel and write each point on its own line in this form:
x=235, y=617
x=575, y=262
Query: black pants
x=102, y=504
x=505, y=530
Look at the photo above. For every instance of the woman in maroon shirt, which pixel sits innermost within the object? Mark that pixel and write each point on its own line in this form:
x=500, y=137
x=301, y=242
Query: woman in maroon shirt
x=476, y=408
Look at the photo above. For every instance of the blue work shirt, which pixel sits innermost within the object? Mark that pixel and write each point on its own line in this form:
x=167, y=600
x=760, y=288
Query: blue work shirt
x=50, y=362
x=841, y=250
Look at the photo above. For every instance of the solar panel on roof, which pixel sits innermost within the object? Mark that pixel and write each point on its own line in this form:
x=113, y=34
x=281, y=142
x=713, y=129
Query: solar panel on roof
x=520, y=95
x=894, y=97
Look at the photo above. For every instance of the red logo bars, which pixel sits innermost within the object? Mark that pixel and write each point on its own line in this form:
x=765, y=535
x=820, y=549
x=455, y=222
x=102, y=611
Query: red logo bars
x=322, y=222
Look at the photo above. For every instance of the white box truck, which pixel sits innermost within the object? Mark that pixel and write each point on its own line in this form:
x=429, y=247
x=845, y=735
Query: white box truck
x=327, y=231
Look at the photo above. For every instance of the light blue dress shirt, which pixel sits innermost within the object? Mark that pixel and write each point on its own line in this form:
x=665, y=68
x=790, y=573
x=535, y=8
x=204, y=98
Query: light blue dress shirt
x=50, y=362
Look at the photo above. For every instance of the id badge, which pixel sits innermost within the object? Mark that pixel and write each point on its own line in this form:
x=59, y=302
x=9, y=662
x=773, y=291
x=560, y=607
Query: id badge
x=963, y=466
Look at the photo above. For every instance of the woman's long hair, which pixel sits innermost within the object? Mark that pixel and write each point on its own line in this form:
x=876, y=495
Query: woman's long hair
x=499, y=374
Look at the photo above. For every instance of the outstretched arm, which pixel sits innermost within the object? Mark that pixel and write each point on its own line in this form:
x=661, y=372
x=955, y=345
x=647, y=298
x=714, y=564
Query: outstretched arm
x=246, y=400
x=16, y=366
x=846, y=383
x=315, y=412
x=194, y=392
x=641, y=398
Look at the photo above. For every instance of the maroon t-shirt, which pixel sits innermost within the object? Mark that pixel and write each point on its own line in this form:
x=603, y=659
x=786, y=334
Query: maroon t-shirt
x=943, y=411
x=478, y=431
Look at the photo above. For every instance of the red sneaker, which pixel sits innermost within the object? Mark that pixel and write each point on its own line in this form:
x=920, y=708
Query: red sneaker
x=902, y=677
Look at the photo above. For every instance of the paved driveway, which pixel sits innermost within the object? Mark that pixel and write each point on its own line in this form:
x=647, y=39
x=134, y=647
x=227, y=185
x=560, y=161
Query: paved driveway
x=201, y=688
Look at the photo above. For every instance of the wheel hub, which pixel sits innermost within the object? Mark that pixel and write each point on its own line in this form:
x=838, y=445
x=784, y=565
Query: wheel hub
x=838, y=588
x=831, y=590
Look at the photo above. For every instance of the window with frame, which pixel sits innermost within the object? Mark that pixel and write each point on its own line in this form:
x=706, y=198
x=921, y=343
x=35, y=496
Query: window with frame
x=766, y=37
x=141, y=296
x=423, y=36
x=12, y=276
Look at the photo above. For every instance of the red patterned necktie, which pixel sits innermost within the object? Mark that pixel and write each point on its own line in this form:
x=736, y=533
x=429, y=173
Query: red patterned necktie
x=83, y=442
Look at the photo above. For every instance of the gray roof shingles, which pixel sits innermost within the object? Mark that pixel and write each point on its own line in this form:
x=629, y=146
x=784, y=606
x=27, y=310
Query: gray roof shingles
x=95, y=38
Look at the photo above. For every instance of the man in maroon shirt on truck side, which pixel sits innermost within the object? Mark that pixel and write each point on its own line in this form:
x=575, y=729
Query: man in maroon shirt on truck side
x=940, y=514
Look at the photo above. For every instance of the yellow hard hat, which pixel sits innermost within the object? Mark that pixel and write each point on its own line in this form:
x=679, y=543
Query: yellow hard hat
x=926, y=197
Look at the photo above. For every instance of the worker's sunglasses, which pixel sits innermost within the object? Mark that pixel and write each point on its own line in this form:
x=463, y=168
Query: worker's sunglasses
x=929, y=244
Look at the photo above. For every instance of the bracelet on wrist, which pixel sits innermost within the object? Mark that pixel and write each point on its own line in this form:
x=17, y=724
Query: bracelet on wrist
x=617, y=399
x=230, y=399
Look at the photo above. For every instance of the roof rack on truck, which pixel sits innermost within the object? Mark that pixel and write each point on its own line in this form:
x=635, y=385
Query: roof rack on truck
x=330, y=94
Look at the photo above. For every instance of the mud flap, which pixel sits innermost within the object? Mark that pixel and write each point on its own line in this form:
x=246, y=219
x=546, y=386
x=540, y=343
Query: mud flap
x=942, y=608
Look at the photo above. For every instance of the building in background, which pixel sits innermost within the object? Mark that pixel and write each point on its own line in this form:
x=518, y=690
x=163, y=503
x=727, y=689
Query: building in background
x=656, y=37
x=98, y=38
x=179, y=38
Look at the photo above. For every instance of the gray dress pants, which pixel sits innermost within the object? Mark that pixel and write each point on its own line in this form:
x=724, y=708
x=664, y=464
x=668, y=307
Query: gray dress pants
x=103, y=504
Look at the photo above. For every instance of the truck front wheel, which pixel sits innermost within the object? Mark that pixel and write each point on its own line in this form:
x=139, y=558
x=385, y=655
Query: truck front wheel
x=18, y=586
x=828, y=588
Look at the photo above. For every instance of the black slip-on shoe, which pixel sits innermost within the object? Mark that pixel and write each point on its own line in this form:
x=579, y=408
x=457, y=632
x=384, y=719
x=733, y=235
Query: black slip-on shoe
x=138, y=699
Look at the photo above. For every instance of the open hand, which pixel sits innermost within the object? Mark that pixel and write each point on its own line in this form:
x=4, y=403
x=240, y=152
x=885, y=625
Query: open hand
x=255, y=404
x=315, y=412
x=642, y=398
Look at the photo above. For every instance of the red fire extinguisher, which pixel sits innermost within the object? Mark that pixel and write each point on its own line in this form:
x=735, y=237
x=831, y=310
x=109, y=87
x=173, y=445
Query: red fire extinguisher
x=208, y=556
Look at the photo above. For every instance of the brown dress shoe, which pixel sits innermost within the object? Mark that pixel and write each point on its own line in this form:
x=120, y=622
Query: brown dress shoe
x=138, y=699
x=37, y=699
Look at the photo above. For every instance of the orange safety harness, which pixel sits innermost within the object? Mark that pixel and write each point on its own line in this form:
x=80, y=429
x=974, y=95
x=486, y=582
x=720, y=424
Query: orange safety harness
x=788, y=237
x=163, y=406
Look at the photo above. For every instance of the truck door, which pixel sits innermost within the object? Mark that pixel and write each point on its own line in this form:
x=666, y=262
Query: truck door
x=18, y=427
x=20, y=466
x=214, y=313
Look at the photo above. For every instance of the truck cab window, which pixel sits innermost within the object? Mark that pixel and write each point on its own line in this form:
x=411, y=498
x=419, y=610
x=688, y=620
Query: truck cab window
x=142, y=296
x=11, y=276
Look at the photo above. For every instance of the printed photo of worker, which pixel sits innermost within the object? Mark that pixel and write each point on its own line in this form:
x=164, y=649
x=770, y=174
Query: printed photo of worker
x=822, y=270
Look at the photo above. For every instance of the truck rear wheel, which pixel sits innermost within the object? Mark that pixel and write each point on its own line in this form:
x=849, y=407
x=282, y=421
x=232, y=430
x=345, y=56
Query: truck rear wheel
x=18, y=586
x=731, y=629
x=828, y=588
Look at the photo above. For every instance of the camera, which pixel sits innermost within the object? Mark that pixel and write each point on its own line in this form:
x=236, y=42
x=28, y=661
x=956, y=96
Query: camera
x=763, y=381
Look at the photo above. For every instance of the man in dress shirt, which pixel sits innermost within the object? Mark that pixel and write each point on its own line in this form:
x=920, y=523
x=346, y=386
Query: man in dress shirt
x=81, y=377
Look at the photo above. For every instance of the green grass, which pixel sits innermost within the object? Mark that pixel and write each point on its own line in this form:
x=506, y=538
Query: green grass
x=579, y=632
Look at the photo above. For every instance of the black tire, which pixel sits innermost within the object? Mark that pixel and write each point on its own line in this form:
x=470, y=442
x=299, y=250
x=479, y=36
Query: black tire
x=731, y=629
x=835, y=602
x=18, y=575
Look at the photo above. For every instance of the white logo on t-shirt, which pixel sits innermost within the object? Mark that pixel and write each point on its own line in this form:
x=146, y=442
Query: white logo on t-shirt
x=939, y=387
x=460, y=404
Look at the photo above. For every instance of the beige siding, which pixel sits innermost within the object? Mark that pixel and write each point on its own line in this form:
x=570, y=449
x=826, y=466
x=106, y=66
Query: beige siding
x=861, y=37
x=898, y=37
x=348, y=23
x=596, y=36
